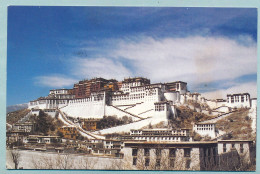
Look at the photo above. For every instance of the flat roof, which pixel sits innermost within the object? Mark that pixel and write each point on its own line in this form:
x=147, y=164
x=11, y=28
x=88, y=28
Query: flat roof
x=235, y=140
x=156, y=129
x=205, y=123
x=171, y=142
x=238, y=94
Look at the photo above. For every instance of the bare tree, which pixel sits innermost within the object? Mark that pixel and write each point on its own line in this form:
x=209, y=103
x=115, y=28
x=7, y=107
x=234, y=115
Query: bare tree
x=88, y=163
x=49, y=162
x=15, y=158
x=64, y=161
x=116, y=164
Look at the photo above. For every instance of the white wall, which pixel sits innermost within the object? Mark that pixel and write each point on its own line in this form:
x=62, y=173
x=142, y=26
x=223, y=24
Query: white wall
x=94, y=109
x=246, y=147
x=205, y=129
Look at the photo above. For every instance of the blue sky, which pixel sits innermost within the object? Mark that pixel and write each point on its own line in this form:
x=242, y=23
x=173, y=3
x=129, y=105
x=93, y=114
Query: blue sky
x=213, y=49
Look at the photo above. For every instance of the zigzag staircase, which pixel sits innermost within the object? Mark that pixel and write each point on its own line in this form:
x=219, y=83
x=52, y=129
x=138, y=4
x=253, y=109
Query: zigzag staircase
x=127, y=112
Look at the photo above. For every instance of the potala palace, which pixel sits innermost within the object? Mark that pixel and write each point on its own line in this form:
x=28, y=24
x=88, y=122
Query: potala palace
x=136, y=144
x=133, y=97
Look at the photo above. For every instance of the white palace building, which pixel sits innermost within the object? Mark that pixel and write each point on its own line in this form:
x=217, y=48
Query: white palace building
x=133, y=97
x=136, y=98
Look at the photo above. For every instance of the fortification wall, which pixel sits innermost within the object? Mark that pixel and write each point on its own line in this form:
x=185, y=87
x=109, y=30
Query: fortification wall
x=140, y=108
x=94, y=109
x=111, y=111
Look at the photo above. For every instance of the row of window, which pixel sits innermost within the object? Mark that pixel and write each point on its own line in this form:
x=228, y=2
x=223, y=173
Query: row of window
x=158, y=162
x=241, y=149
x=159, y=107
x=204, y=125
x=204, y=128
x=137, y=89
x=158, y=152
x=86, y=100
x=236, y=99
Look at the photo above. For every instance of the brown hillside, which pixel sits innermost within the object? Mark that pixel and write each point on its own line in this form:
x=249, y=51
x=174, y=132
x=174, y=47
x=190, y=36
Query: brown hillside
x=239, y=123
x=185, y=117
x=13, y=117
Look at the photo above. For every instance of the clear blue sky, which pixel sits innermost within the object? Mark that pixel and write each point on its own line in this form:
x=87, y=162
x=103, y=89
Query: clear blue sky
x=212, y=49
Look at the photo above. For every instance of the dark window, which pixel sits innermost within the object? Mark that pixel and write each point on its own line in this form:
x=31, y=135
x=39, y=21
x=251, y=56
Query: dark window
x=147, y=161
x=158, y=152
x=233, y=145
x=232, y=99
x=172, y=161
x=134, y=152
x=224, y=147
x=158, y=163
x=242, y=98
x=241, y=148
x=146, y=152
x=134, y=161
x=188, y=161
x=172, y=153
x=186, y=152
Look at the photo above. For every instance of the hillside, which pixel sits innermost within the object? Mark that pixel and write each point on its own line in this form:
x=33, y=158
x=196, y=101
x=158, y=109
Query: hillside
x=13, y=117
x=187, y=116
x=238, y=123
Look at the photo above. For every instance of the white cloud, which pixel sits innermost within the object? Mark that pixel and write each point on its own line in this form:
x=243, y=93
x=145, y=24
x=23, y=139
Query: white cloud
x=55, y=81
x=202, y=59
x=195, y=60
x=250, y=88
x=99, y=67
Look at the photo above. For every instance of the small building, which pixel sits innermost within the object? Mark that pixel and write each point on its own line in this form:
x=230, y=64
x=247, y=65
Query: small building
x=179, y=86
x=90, y=124
x=69, y=132
x=164, y=109
x=24, y=127
x=49, y=139
x=159, y=135
x=16, y=137
x=205, y=129
x=169, y=155
x=238, y=100
x=243, y=147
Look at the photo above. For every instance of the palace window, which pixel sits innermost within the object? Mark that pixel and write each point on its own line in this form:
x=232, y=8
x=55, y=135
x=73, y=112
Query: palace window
x=134, y=161
x=146, y=152
x=147, y=161
x=158, y=152
x=241, y=148
x=158, y=163
x=187, y=152
x=224, y=147
x=172, y=152
x=188, y=161
x=134, y=152
x=233, y=145
x=232, y=99
x=171, y=161
x=242, y=99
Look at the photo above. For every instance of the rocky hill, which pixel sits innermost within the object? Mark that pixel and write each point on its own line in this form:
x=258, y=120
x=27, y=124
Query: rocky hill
x=186, y=116
x=237, y=124
x=13, y=117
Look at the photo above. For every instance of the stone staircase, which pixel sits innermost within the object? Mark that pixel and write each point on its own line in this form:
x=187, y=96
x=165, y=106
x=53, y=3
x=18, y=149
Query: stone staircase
x=25, y=118
x=215, y=119
x=145, y=111
x=80, y=129
x=132, y=106
x=136, y=116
